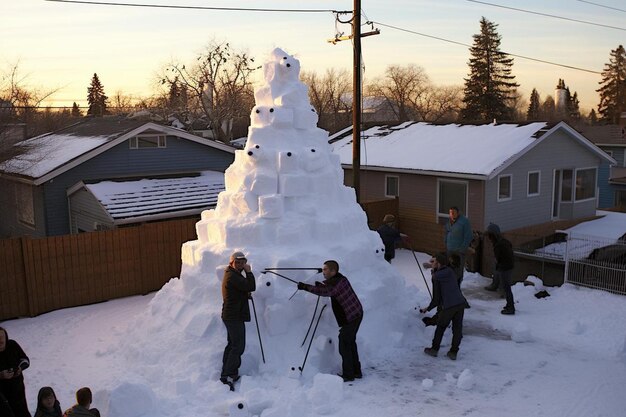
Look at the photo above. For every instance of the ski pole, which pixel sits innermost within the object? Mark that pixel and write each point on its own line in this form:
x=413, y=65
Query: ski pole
x=282, y=276
x=258, y=332
x=294, y=269
x=312, y=319
x=422, y=272
x=301, y=368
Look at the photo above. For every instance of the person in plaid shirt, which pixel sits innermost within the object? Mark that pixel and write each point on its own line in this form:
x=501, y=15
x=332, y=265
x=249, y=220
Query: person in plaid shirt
x=348, y=312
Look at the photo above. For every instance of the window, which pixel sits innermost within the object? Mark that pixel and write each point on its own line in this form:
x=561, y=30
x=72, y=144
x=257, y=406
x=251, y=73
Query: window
x=566, y=185
x=147, y=141
x=25, y=205
x=451, y=193
x=533, y=183
x=392, y=186
x=504, y=187
x=620, y=198
x=585, y=184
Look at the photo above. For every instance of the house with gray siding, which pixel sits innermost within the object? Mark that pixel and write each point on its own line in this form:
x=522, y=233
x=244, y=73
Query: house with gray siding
x=34, y=185
x=509, y=174
x=611, y=178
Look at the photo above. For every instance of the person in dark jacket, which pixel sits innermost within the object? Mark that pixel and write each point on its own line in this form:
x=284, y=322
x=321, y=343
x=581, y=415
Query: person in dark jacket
x=447, y=297
x=502, y=276
x=237, y=284
x=390, y=236
x=13, y=361
x=47, y=404
x=348, y=313
x=82, y=406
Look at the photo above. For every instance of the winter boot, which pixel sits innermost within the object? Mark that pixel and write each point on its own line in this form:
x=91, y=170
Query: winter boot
x=431, y=351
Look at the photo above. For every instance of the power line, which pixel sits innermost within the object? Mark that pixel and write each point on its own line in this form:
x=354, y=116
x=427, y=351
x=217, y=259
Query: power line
x=469, y=46
x=602, y=5
x=547, y=15
x=167, y=6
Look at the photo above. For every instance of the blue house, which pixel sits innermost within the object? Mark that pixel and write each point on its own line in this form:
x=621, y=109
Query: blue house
x=36, y=185
x=611, y=177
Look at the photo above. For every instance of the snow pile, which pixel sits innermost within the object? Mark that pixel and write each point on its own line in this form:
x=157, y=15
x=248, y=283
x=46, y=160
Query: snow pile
x=284, y=206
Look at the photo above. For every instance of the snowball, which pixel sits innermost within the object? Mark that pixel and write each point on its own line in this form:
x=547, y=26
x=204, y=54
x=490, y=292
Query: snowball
x=238, y=409
x=466, y=380
x=258, y=400
x=427, y=384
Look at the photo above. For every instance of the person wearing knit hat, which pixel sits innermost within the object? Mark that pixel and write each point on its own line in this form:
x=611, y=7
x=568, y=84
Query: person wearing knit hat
x=503, y=273
x=237, y=284
x=390, y=236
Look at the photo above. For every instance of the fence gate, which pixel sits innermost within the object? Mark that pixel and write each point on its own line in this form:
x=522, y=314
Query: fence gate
x=596, y=262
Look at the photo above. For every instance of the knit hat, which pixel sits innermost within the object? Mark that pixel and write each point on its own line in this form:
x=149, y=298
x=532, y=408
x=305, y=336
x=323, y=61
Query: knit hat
x=237, y=255
x=493, y=229
x=389, y=218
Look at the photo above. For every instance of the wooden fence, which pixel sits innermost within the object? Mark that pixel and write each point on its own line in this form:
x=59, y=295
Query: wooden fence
x=41, y=275
x=46, y=274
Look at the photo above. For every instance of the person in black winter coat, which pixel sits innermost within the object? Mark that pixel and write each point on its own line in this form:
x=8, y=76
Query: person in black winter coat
x=503, y=274
x=390, y=236
x=237, y=284
x=47, y=404
x=13, y=361
x=447, y=297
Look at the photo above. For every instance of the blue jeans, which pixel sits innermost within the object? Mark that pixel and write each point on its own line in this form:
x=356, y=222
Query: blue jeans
x=231, y=360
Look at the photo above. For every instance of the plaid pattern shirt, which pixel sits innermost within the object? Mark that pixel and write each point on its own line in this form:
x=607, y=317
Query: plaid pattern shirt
x=345, y=303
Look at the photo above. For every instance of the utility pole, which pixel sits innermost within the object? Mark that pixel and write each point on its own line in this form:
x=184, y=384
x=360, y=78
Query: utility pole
x=356, y=92
x=356, y=100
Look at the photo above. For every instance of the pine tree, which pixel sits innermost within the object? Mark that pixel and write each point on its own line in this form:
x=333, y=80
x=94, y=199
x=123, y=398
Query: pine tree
x=534, y=108
x=75, y=110
x=593, y=117
x=96, y=98
x=548, y=109
x=613, y=87
x=490, y=88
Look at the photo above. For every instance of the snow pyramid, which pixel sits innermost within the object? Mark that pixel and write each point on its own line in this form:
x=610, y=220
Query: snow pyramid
x=284, y=206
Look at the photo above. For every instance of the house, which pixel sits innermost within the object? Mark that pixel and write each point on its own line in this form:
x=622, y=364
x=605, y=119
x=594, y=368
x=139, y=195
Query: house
x=109, y=204
x=611, y=178
x=36, y=184
x=509, y=174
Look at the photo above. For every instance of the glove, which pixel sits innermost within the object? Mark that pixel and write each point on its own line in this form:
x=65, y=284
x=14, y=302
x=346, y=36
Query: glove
x=301, y=285
x=318, y=284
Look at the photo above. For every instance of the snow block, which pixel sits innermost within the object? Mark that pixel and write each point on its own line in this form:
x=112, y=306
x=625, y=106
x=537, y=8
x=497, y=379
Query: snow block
x=314, y=160
x=256, y=155
x=260, y=116
x=207, y=214
x=287, y=162
x=326, y=395
x=276, y=319
x=286, y=234
x=264, y=182
x=271, y=206
x=238, y=409
x=245, y=202
x=131, y=400
x=188, y=252
x=466, y=380
x=239, y=234
x=281, y=117
x=215, y=231
x=292, y=185
x=304, y=118
x=258, y=400
x=233, y=178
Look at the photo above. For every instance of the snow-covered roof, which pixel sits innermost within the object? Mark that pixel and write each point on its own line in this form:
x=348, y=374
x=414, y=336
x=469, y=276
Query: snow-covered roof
x=472, y=150
x=51, y=154
x=140, y=200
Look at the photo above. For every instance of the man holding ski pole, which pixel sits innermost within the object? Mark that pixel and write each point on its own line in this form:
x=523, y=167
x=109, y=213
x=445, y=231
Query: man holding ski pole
x=237, y=284
x=348, y=313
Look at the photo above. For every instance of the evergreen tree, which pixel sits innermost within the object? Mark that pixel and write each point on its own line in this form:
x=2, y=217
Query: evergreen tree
x=75, y=110
x=593, y=117
x=613, y=87
x=490, y=88
x=96, y=98
x=534, y=108
x=573, y=108
x=548, y=109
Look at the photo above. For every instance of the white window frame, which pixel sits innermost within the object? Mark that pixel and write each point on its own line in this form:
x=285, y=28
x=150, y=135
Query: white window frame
x=387, y=194
x=528, y=193
x=464, y=210
x=595, y=185
x=510, y=197
x=25, y=204
x=161, y=141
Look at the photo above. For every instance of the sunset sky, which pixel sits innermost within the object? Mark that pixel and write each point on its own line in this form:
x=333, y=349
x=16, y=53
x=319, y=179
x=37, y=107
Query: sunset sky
x=60, y=45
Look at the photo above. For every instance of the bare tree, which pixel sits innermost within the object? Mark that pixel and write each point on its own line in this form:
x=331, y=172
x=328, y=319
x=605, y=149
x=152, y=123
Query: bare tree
x=121, y=103
x=330, y=95
x=218, y=86
x=440, y=104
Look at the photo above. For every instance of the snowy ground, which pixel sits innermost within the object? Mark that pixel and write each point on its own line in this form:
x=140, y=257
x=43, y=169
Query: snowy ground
x=564, y=355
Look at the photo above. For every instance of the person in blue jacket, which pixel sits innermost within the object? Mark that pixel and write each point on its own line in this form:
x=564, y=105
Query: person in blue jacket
x=457, y=238
x=451, y=303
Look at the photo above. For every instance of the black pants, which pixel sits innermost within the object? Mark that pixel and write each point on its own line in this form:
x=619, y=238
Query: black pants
x=231, y=360
x=13, y=394
x=351, y=366
x=454, y=315
x=504, y=279
x=460, y=268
